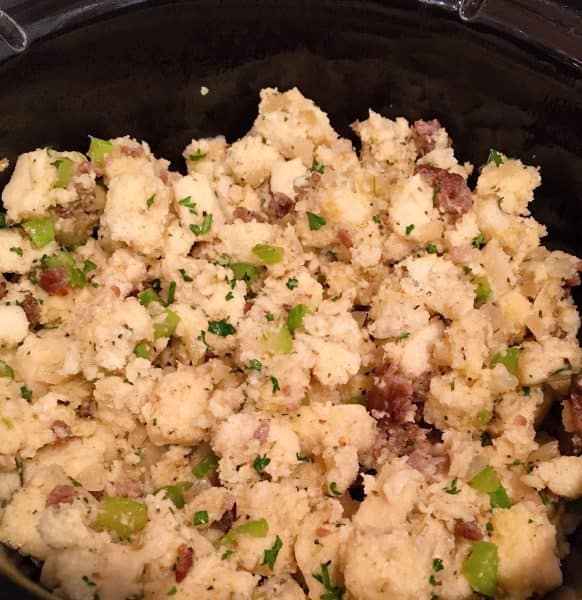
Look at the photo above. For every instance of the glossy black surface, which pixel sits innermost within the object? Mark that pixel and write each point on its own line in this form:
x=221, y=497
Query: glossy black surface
x=140, y=73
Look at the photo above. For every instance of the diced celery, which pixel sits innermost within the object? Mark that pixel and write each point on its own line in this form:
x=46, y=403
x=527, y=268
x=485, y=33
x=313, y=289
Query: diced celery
x=175, y=493
x=268, y=254
x=6, y=370
x=244, y=271
x=205, y=466
x=280, y=342
x=142, y=350
x=167, y=325
x=64, y=167
x=41, y=231
x=486, y=480
x=510, y=359
x=148, y=296
x=257, y=528
x=98, y=149
x=481, y=568
x=295, y=317
x=122, y=515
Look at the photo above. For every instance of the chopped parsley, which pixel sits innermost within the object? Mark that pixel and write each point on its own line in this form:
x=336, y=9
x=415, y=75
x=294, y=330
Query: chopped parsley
x=187, y=202
x=73, y=481
x=198, y=155
x=409, y=229
x=171, y=293
x=89, y=266
x=254, y=365
x=332, y=592
x=260, y=463
x=526, y=390
x=431, y=248
x=334, y=490
x=376, y=219
x=437, y=565
x=494, y=157
x=25, y=393
x=270, y=317
x=2, y=220
x=88, y=581
x=204, y=228
x=150, y=200
x=227, y=554
x=317, y=167
x=292, y=283
x=316, y=222
x=229, y=296
x=453, y=488
x=270, y=555
x=172, y=591
x=479, y=241
x=222, y=328
x=275, y=384
x=185, y=275
x=17, y=250
x=404, y=335
x=200, y=517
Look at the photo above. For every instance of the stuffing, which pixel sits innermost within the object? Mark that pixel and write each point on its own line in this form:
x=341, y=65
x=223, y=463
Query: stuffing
x=293, y=370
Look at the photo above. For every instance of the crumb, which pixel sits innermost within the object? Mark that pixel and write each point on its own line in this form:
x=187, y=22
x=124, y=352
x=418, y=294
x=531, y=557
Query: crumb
x=204, y=91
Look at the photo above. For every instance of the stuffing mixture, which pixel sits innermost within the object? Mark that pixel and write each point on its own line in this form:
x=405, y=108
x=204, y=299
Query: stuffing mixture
x=298, y=371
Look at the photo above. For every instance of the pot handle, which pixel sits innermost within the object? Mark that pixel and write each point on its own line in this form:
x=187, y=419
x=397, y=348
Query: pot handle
x=24, y=21
x=544, y=23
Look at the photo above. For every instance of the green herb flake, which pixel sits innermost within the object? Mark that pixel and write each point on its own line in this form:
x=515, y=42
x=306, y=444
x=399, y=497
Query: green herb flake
x=260, y=463
x=332, y=592
x=150, y=200
x=172, y=591
x=404, y=335
x=185, y=275
x=431, y=248
x=229, y=296
x=270, y=555
x=317, y=167
x=334, y=490
x=200, y=517
x=479, y=241
x=509, y=359
x=171, y=293
x=198, y=155
x=88, y=581
x=17, y=250
x=148, y=296
x=254, y=365
x=526, y=390
x=494, y=157
x=74, y=482
x=2, y=220
x=270, y=317
x=204, y=228
x=25, y=393
x=89, y=266
x=187, y=202
x=437, y=564
x=409, y=229
x=376, y=219
x=175, y=493
x=227, y=554
x=8, y=423
x=221, y=328
x=275, y=384
x=453, y=490
x=243, y=271
x=292, y=283
x=316, y=222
